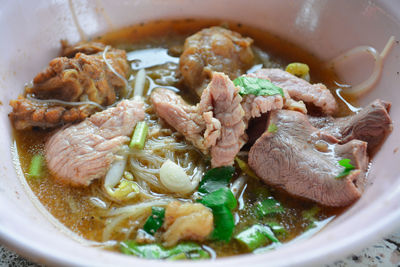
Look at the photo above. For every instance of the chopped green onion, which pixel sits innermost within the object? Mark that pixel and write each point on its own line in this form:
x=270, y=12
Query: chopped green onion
x=215, y=179
x=272, y=128
x=347, y=168
x=139, y=135
x=268, y=206
x=155, y=220
x=245, y=168
x=256, y=236
x=299, y=69
x=257, y=86
x=309, y=216
x=156, y=251
x=35, y=168
x=277, y=228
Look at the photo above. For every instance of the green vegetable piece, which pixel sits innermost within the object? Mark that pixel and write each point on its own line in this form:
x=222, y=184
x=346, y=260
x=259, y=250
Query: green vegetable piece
x=311, y=213
x=221, y=202
x=245, y=168
x=156, y=251
x=347, y=168
x=256, y=236
x=224, y=224
x=35, y=168
x=139, y=135
x=155, y=220
x=215, y=179
x=272, y=128
x=299, y=69
x=277, y=228
x=256, y=86
x=220, y=197
x=268, y=206
x=309, y=216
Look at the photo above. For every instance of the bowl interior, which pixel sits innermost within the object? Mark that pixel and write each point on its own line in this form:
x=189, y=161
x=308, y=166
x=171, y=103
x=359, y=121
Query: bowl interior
x=327, y=28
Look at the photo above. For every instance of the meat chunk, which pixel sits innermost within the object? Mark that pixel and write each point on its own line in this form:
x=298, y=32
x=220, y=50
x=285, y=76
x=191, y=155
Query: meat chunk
x=299, y=89
x=89, y=76
x=215, y=124
x=372, y=124
x=304, y=160
x=214, y=49
x=187, y=222
x=78, y=79
x=30, y=113
x=88, y=48
x=78, y=154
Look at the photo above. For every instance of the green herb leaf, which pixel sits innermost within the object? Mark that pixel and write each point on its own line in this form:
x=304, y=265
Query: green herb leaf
x=155, y=220
x=256, y=236
x=220, y=197
x=221, y=202
x=272, y=128
x=156, y=251
x=256, y=86
x=347, y=168
x=215, y=179
x=268, y=206
x=224, y=224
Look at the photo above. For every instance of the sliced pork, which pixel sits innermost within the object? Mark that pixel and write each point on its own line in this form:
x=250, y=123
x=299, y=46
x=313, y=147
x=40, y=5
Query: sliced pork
x=78, y=154
x=304, y=160
x=216, y=124
x=299, y=89
x=371, y=124
x=214, y=49
x=81, y=78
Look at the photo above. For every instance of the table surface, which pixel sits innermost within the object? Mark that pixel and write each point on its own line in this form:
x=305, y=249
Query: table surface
x=386, y=252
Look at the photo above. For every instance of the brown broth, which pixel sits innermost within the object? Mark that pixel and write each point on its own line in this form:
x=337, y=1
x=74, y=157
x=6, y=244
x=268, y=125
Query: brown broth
x=71, y=206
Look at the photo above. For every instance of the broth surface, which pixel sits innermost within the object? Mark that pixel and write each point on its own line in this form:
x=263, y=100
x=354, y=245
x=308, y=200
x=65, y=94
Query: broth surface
x=74, y=206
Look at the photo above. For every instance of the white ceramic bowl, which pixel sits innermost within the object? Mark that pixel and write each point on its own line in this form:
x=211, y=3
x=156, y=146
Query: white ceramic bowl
x=30, y=32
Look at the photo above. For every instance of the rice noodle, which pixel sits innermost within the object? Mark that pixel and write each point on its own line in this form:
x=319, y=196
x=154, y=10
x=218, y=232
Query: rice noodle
x=368, y=84
x=64, y=103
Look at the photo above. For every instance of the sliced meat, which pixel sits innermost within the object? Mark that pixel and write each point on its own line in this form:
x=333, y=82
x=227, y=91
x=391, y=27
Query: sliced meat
x=372, y=124
x=180, y=115
x=255, y=106
x=215, y=124
x=78, y=79
x=78, y=154
x=214, y=49
x=299, y=89
x=304, y=161
x=187, y=221
x=221, y=97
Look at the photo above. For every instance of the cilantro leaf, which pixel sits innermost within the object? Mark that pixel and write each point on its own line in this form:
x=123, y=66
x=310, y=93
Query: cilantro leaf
x=347, y=168
x=256, y=86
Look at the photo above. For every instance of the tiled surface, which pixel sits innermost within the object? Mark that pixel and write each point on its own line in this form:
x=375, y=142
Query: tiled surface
x=384, y=253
